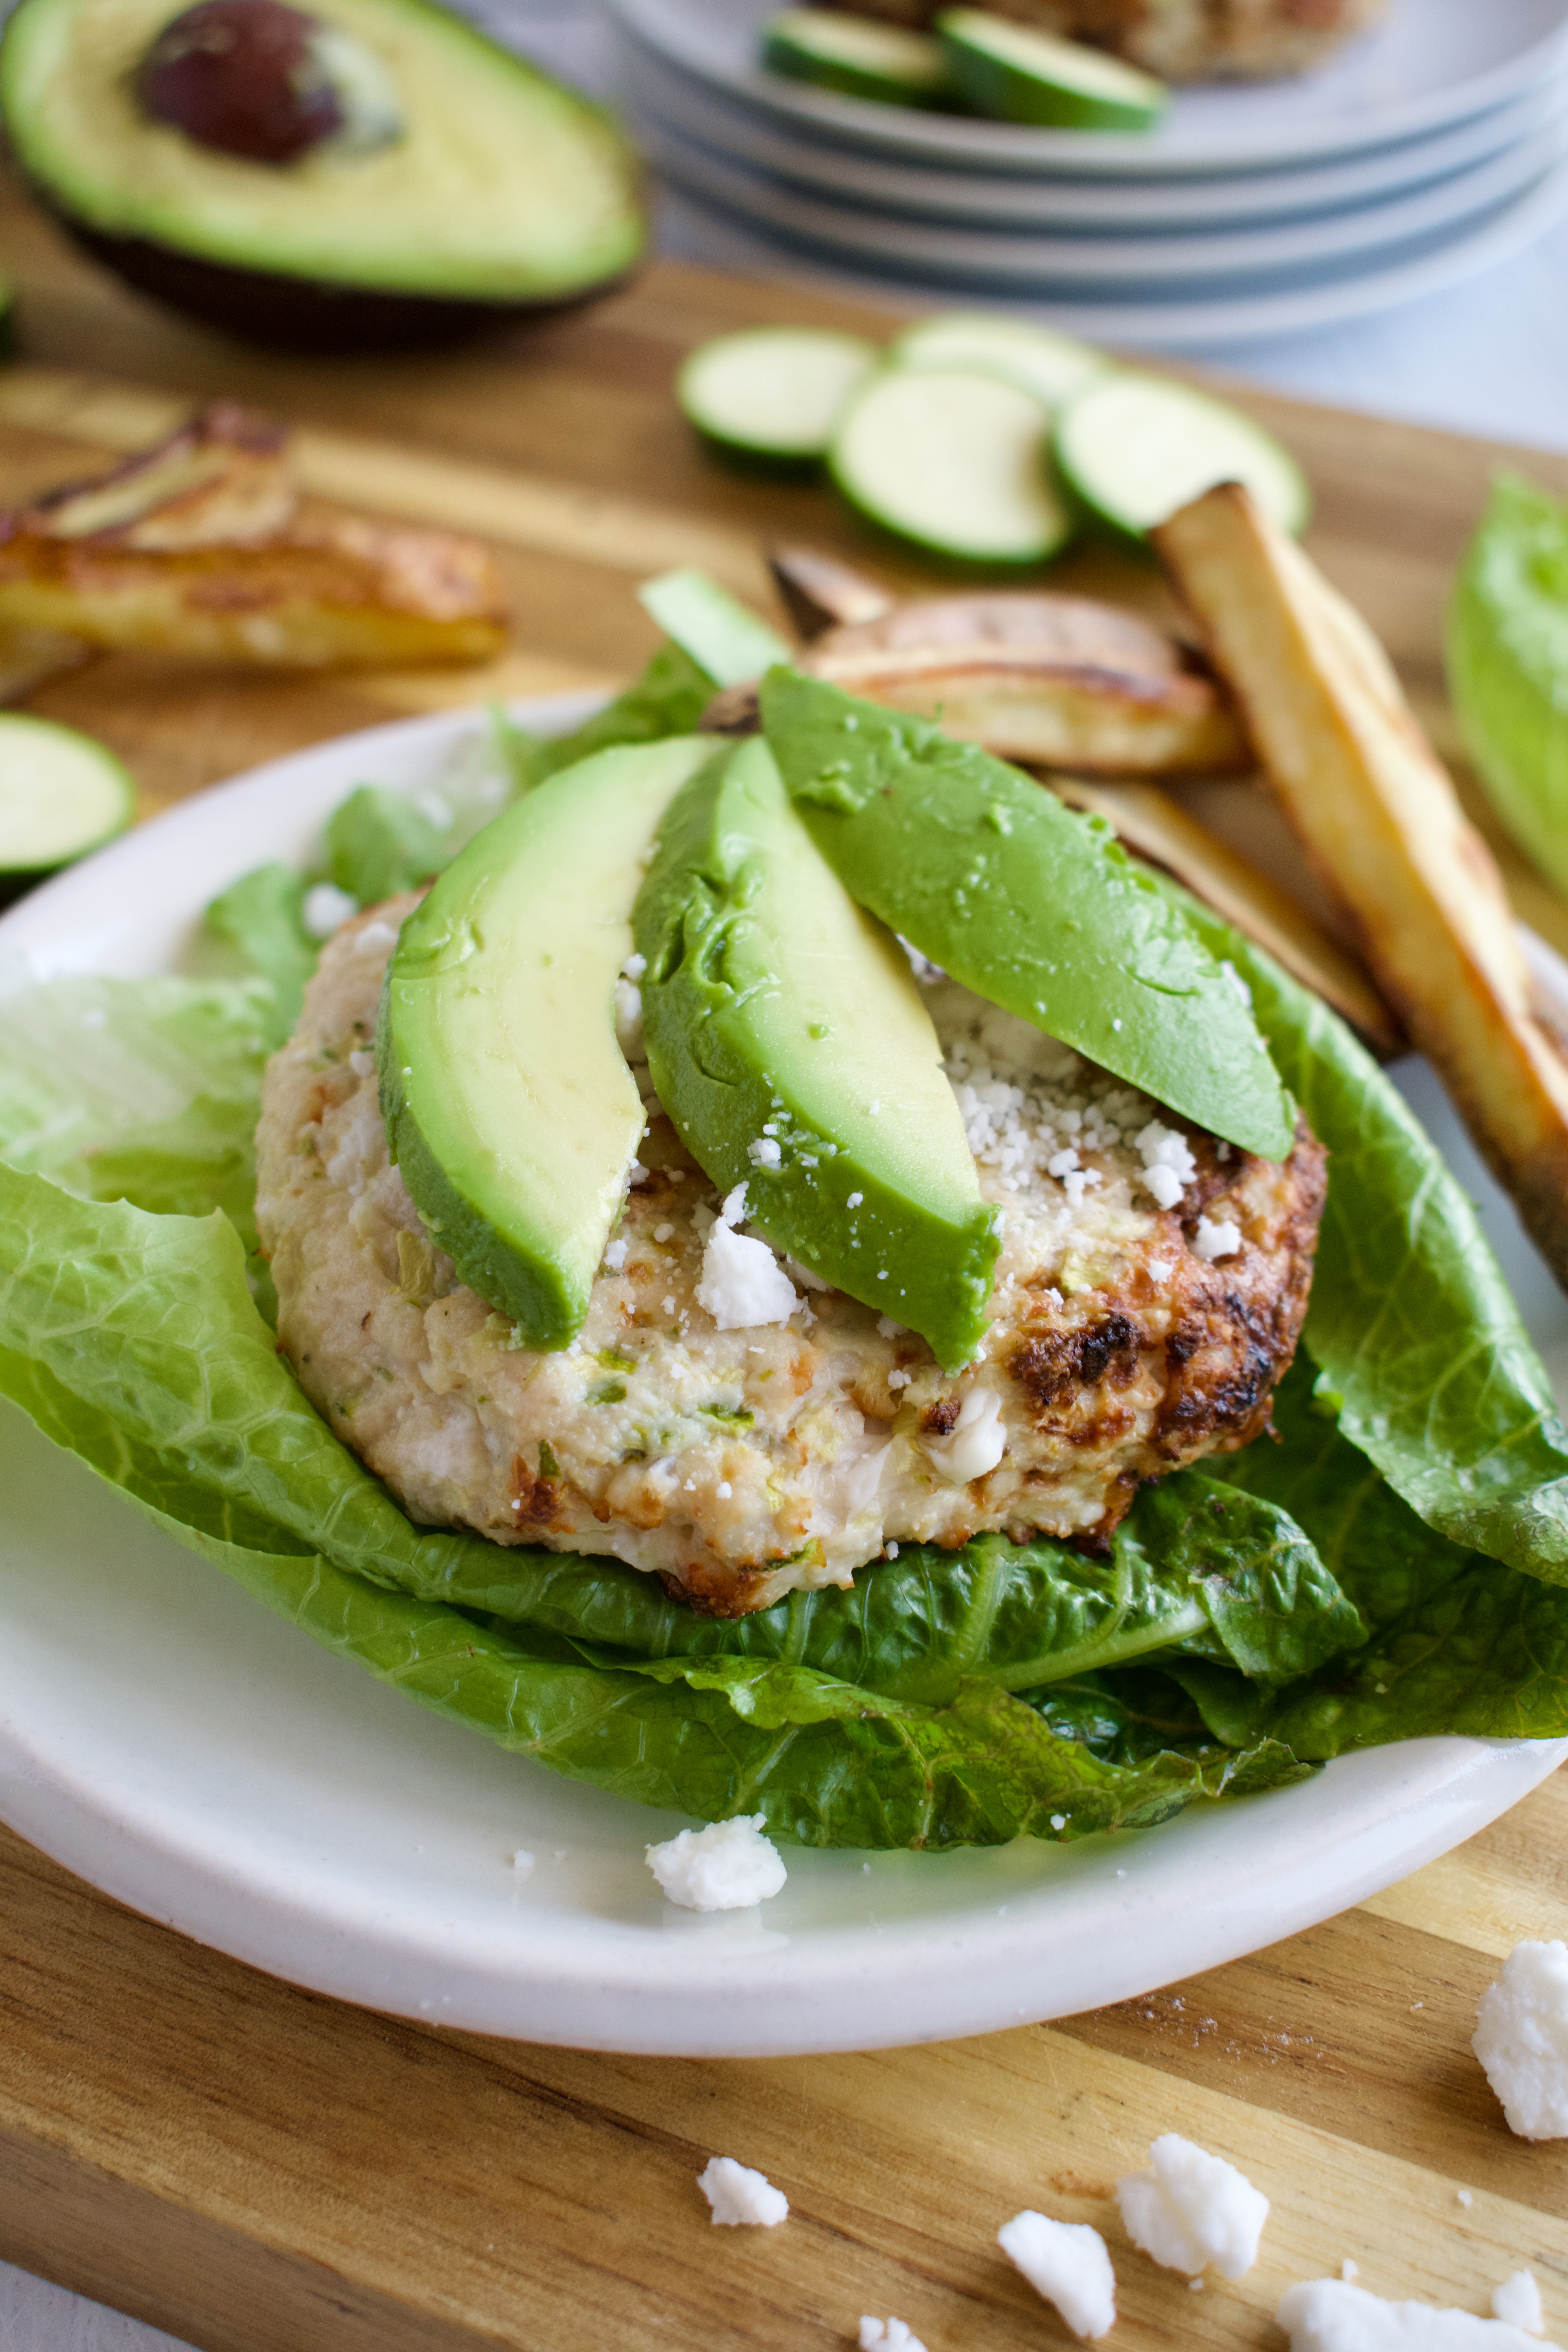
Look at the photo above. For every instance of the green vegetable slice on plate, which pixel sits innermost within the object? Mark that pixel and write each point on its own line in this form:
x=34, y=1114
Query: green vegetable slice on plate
x=858, y=56
x=1016, y=73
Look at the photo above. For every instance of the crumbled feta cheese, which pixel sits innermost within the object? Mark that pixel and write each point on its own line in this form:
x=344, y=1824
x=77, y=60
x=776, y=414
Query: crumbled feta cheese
x=723, y=1490
x=662, y=1233
x=1066, y=2262
x=742, y=1284
x=888, y=1329
x=1220, y=1239
x=738, y=2195
x=976, y=1441
x=1517, y=2303
x=1190, y=2208
x=362, y=1064
x=615, y=1256
x=854, y=1202
x=1168, y=1163
x=376, y=939
x=522, y=1862
x=326, y=907
x=628, y=1020
x=896, y=1379
x=728, y=1866
x=763, y=1152
x=1521, y=2040
x=1327, y=2315
x=888, y=2336
x=637, y=1174
x=634, y=968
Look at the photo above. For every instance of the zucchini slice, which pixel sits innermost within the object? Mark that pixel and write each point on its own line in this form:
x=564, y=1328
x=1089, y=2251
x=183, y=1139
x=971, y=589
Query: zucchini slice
x=1015, y=74
x=858, y=56
x=773, y=393
x=1133, y=448
x=956, y=462
x=61, y=794
x=1049, y=365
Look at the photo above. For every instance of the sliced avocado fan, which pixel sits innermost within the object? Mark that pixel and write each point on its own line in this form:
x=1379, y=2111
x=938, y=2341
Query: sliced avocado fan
x=510, y=1107
x=1037, y=909
x=790, y=1045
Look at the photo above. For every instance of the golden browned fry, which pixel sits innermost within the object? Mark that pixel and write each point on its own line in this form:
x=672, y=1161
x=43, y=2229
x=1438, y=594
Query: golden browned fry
x=1156, y=826
x=1184, y=40
x=202, y=548
x=1379, y=817
x=821, y=591
x=1056, y=681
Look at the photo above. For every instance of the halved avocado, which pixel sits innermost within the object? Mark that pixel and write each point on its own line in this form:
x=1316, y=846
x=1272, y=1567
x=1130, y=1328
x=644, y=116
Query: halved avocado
x=487, y=191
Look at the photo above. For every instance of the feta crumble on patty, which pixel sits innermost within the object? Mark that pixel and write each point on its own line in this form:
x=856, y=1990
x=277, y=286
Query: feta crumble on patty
x=722, y=1419
x=1521, y=2040
x=1190, y=2208
x=740, y=2197
x=1066, y=2264
x=728, y=1866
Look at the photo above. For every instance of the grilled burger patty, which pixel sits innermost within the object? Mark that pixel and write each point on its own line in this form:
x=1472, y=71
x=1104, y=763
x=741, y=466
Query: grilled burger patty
x=1127, y=1337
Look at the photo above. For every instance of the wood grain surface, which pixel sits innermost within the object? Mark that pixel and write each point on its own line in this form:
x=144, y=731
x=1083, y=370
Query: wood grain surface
x=260, y=2169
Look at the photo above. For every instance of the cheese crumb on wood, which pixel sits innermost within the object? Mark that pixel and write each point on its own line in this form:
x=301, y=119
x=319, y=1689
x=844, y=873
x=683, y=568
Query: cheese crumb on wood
x=1327, y=2315
x=1190, y=2208
x=1066, y=2264
x=888, y=2336
x=1518, y=2303
x=728, y=1866
x=740, y=2197
x=1521, y=2040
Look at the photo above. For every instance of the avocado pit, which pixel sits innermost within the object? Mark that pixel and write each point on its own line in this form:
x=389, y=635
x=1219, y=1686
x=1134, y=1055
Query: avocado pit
x=262, y=81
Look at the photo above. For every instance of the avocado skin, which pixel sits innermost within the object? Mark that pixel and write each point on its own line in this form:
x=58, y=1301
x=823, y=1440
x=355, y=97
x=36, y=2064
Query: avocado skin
x=733, y=998
x=307, y=314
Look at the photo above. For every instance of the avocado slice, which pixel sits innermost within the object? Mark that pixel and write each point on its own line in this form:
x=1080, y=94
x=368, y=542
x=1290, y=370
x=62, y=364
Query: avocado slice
x=509, y=1108
x=447, y=182
x=1037, y=909
x=789, y=1046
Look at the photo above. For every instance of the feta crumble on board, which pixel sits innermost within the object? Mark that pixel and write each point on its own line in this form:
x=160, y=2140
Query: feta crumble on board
x=976, y=1441
x=1066, y=2264
x=740, y=2197
x=1327, y=2315
x=888, y=2336
x=1518, y=2303
x=1190, y=2208
x=1521, y=2040
x=742, y=1284
x=728, y=1866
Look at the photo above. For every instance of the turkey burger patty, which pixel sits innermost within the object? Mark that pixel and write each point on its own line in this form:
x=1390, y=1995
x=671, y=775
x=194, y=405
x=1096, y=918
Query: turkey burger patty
x=1149, y=1296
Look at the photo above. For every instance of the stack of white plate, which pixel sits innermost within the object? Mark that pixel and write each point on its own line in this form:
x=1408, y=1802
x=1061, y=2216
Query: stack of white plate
x=1426, y=150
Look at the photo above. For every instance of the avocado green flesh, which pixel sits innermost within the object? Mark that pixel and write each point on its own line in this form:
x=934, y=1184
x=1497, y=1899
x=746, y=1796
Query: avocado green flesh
x=1038, y=909
x=510, y=1107
x=504, y=188
x=777, y=1011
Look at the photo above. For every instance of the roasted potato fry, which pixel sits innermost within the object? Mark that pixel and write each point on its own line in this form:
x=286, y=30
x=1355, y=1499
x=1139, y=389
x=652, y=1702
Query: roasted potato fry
x=1154, y=826
x=820, y=592
x=1378, y=815
x=202, y=548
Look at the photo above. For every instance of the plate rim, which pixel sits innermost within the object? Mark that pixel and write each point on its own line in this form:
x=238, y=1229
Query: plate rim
x=1367, y=1820
x=1096, y=153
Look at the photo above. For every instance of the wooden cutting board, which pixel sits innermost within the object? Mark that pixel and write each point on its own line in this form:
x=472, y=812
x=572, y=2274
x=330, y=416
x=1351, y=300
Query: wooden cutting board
x=259, y=2170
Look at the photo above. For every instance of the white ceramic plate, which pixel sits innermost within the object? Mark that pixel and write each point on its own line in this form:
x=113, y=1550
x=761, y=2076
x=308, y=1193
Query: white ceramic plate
x=1197, y=322
x=208, y=1765
x=790, y=153
x=1434, y=63
x=1217, y=262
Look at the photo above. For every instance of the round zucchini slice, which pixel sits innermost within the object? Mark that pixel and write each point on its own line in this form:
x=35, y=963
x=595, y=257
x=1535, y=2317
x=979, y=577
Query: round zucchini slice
x=958, y=463
x=1051, y=366
x=858, y=55
x=1133, y=448
x=773, y=393
x=1015, y=74
x=61, y=795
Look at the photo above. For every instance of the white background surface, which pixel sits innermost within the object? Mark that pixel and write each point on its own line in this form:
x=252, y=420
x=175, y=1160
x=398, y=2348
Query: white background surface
x=1491, y=358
